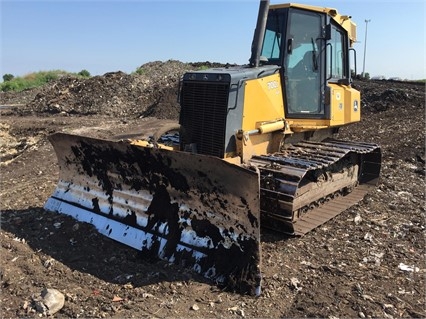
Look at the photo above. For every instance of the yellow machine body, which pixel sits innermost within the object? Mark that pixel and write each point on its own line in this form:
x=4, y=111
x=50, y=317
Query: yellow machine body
x=267, y=92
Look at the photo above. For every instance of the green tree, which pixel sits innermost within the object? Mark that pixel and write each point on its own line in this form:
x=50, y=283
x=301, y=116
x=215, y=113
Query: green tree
x=84, y=73
x=7, y=77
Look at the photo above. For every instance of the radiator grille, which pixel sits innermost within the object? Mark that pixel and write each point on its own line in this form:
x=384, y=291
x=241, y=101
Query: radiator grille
x=203, y=115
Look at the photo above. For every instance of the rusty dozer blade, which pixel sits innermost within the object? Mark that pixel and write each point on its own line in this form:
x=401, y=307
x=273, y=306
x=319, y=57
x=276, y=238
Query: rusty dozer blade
x=196, y=211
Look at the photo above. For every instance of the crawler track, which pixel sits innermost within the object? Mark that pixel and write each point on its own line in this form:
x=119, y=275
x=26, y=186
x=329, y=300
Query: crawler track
x=311, y=182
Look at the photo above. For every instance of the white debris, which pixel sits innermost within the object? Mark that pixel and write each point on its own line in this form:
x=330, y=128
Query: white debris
x=357, y=219
x=405, y=267
x=237, y=311
x=377, y=257
x=195, y=307
x=367, y=297
x=387, y=306
x=21, y=240
x=57, y=225
x=49, y=263
x=306, y=263
x=295, y=283
x=368, y=237
x=404, y=193
x=402, y=291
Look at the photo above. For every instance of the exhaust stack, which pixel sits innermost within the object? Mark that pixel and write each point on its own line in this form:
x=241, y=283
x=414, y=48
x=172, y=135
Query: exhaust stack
x=259, y=33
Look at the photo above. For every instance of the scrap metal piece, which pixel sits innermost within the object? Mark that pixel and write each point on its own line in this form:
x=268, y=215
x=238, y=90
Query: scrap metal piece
x=192, y=210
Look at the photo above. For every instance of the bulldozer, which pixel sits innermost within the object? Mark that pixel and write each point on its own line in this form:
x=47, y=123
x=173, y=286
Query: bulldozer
x=254, y=148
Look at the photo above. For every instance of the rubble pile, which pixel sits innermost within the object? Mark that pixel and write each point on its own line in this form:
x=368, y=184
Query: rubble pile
x=151, y=91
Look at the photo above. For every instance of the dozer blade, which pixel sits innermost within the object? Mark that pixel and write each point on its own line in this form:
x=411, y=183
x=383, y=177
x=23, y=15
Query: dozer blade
x=195, y=211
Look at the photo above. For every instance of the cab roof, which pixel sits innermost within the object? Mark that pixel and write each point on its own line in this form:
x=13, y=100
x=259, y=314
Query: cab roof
x=343, y=20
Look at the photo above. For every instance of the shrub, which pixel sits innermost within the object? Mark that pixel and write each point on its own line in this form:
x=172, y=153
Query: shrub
x=7, y=77
x=84, y=73
x=8, y=86
x=140, y=71
x=31, y=80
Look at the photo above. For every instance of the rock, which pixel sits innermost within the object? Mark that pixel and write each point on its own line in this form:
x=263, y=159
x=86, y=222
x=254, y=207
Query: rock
x=357, y=219
x=51, y=301
x=49, y=263
x=195, y=307
x=57, y=225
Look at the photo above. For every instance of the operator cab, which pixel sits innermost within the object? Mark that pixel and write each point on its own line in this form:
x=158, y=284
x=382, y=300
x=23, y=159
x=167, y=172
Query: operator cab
x=312, y=50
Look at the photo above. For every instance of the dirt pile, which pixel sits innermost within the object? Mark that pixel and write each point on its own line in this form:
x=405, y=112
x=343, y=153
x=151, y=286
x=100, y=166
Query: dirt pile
x=367, y=262
x=152, y=91
x=377, y=96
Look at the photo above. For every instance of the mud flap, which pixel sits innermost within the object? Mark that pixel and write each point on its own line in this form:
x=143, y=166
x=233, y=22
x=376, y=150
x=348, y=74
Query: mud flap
x=196, y=211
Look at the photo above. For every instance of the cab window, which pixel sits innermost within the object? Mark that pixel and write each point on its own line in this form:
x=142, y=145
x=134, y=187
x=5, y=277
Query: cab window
x=336, y=54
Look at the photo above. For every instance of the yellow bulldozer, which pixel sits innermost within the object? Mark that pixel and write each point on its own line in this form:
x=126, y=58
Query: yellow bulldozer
x=255, y=149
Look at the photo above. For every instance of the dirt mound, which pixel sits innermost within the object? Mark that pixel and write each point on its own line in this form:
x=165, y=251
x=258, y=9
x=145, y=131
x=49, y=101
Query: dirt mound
x=152, y=91
x=378, y=96
x=17, y=99
x=114, y=94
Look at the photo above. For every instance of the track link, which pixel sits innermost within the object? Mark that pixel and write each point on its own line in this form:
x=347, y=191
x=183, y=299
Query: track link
x=309, y=183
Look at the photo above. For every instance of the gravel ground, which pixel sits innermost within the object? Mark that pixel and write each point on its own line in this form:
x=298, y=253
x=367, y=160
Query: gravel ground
x=366, y=262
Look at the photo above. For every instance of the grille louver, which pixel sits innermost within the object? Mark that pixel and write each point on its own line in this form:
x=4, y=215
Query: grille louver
x=203, y=115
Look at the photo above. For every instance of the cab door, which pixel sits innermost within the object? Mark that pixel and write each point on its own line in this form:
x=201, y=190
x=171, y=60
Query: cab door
x=304, y=64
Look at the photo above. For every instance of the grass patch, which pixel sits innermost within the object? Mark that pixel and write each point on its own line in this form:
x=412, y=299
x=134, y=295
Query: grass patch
x=37, y=79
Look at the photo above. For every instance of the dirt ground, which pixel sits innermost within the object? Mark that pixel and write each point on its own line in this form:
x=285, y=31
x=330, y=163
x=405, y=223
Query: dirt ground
x=367, y=262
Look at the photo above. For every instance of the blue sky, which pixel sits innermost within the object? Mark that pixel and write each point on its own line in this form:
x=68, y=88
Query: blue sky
x=104, y=36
